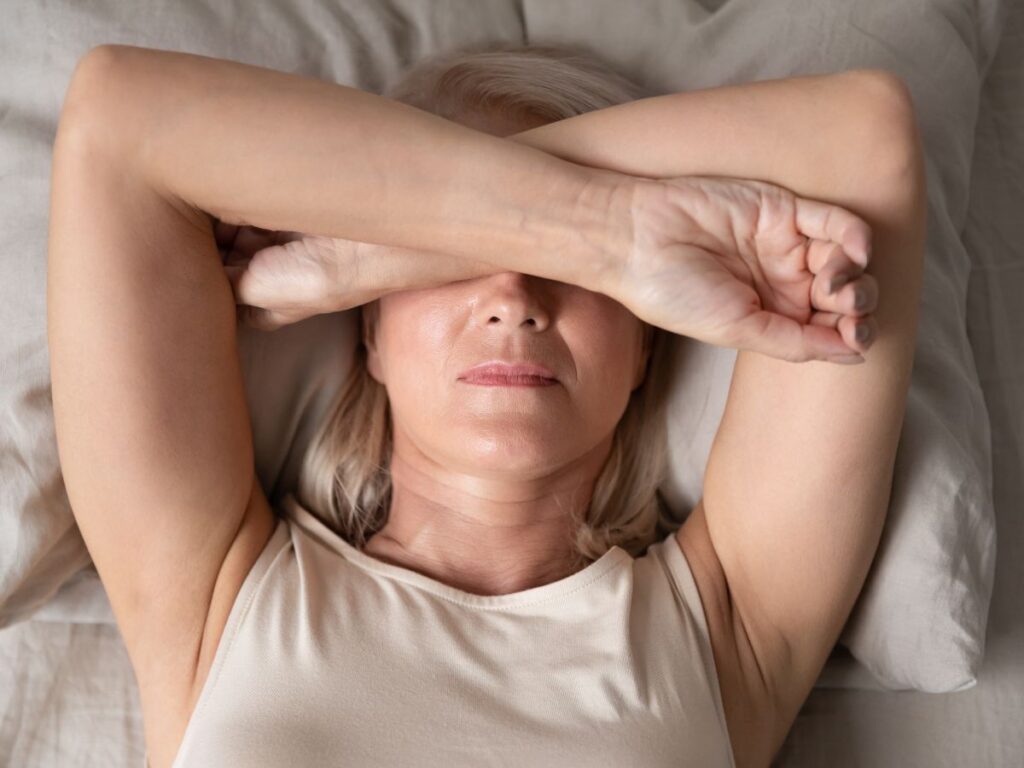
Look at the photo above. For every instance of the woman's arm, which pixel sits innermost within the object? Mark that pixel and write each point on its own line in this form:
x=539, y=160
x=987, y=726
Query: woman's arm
x=812, y=134
x=313, y=156
x=807, y=133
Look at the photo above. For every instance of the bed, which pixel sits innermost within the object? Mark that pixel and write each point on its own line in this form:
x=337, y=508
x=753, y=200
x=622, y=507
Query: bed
x=67, y=691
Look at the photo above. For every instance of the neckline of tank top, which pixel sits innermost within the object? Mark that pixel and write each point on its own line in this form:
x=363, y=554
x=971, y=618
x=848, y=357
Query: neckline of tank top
x=311, y=524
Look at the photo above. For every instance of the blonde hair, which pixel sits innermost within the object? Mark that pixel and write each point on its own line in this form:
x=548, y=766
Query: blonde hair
x=345, y=478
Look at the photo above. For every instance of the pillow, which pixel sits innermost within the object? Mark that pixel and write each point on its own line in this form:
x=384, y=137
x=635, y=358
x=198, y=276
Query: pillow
x=920, y=621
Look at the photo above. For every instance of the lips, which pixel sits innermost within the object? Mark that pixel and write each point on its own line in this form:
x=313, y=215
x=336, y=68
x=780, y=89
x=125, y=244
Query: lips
x=498, y=373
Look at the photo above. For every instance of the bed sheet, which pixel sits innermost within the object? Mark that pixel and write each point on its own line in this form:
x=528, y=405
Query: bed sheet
x=68, y=696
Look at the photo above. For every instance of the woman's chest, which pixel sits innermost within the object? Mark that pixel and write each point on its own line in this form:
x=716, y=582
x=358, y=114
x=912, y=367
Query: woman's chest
x=374, y=693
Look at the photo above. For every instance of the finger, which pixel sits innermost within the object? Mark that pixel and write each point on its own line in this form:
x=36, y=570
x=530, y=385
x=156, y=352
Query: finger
x=856, y=298
x=786, y=339
x=832, y=268
x=828, y=259
x=841, y=286
x=826, y=319
x=245, y=288
x=822, y=221
x=859, y=333
x=848, y=328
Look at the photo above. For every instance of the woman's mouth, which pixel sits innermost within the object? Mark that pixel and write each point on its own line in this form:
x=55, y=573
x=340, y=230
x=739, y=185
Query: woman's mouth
x=503, y=380
x=497, y=373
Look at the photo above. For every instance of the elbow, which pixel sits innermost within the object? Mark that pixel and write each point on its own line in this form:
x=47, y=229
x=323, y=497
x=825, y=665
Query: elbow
x=103, y=117
x=96, y=61
x=82, y=115
x=92, y=76
x=892, y=126
x=888, y=159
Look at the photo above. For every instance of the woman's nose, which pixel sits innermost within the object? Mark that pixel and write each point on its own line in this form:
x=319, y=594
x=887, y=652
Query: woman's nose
x=511, y=299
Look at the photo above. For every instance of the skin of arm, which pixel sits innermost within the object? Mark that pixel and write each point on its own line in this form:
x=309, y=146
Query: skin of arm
x=809, y=130
x=810, y=134
x=806, y=132
x=349, y=135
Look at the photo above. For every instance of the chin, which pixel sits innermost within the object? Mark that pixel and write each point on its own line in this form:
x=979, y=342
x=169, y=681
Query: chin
x=525, y=458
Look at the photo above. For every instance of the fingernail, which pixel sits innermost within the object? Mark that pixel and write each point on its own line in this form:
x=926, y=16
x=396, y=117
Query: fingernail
x=846, y=359
x=860, y=300
x=863, y=333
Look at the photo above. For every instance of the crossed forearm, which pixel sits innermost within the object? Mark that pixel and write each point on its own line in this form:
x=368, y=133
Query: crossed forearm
x=809, y=134
x=340, y=162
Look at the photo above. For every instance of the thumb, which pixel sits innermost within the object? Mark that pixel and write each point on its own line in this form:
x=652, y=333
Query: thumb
x=243, y=284
x=784, y=338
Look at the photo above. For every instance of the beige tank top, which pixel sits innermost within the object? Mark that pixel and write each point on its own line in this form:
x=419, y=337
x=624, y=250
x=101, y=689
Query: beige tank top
x=331, y=657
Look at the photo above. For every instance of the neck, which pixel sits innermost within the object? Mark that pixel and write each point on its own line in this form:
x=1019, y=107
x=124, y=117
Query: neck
x=484, y=535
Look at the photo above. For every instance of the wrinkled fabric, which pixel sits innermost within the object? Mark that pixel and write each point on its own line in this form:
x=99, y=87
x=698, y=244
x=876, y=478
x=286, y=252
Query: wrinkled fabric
x=331, y=656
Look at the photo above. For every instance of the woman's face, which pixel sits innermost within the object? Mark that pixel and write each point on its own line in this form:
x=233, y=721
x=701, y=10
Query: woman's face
x=420, y=341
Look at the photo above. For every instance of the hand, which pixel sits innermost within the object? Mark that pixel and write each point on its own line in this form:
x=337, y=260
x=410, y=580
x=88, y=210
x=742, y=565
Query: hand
x=748, y=265
x=280, y=278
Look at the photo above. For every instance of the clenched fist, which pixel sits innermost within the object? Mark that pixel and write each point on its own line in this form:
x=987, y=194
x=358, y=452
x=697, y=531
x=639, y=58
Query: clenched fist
x=749, y=265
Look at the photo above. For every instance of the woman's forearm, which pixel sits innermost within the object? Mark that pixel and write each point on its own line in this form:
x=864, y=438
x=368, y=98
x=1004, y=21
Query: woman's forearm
x=250, y=145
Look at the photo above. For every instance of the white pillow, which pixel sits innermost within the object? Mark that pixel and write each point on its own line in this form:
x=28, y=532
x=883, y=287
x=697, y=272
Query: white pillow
x=920, y=621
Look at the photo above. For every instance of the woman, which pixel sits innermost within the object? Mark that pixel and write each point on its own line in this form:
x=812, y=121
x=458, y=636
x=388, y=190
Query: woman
x=513, y=601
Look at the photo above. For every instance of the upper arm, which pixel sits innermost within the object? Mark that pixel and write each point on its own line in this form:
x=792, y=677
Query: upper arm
x=798, y=480
x=152, y=426
x=791, y=131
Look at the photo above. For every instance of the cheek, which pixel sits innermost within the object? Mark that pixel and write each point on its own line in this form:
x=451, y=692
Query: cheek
x=416, y=330
x=416, y=355
x=606, y=345
x=605, y=351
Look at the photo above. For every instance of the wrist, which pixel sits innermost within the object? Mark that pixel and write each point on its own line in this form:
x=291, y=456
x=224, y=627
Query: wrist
x=373, y=270
x=592, y=244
